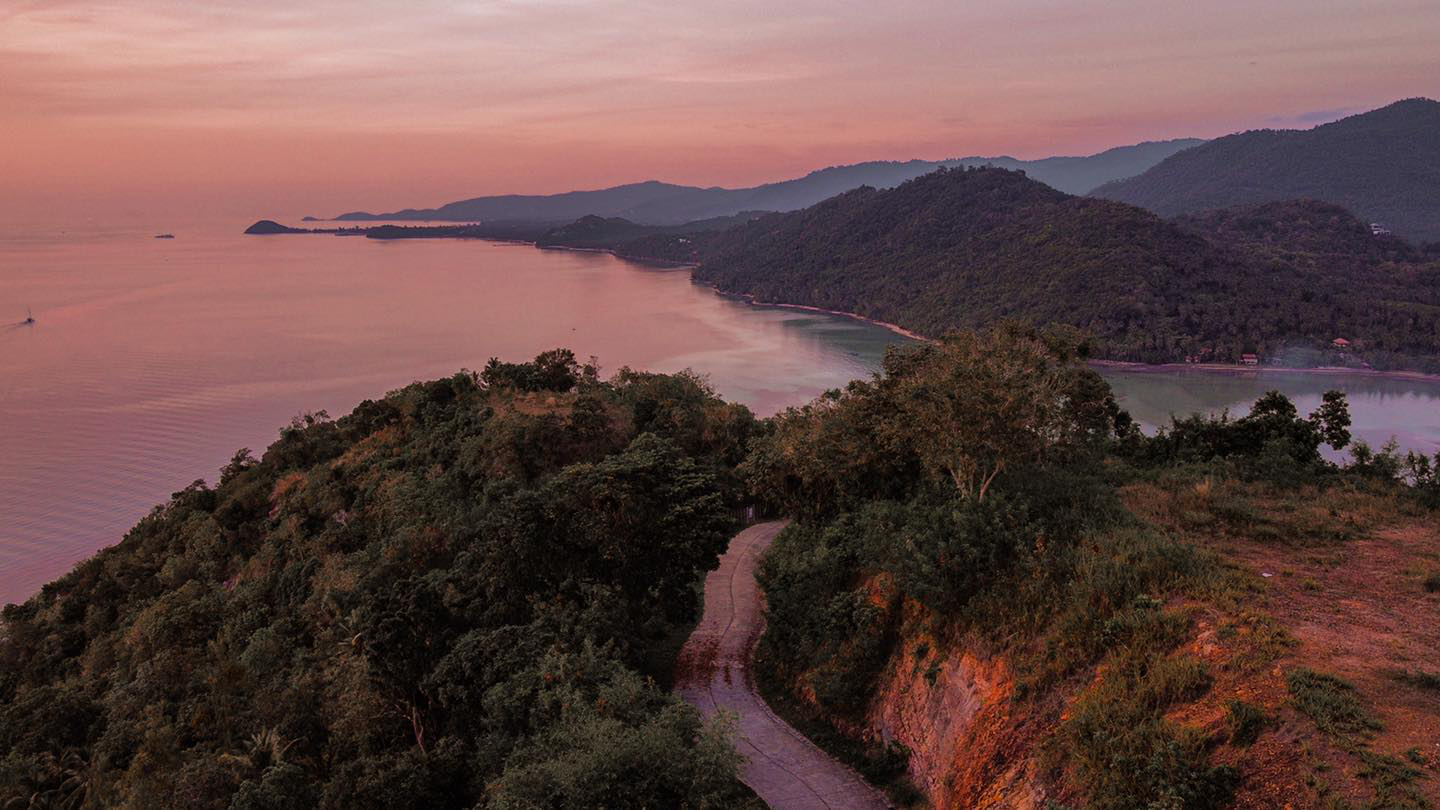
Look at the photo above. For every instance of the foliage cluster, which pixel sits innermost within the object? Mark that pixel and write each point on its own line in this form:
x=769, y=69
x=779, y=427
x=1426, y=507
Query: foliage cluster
x=442, y=599
x=1044, y=563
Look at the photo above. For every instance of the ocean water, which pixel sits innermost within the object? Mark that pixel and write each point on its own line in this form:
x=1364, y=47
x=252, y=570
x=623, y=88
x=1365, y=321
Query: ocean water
x=151, y=361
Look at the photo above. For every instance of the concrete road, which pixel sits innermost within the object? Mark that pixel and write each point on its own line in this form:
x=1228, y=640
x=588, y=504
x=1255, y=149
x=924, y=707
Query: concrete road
x=785, y=769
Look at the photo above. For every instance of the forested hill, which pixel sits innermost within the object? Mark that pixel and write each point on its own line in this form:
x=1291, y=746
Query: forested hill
x=962, y=248
x=453, y=597
x=1384, y=165
x=606, y=232
x=1319, y=235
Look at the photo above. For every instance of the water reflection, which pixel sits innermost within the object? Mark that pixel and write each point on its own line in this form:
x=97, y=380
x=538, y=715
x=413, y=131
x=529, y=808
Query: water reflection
x=153, y=360
x=1380, y=408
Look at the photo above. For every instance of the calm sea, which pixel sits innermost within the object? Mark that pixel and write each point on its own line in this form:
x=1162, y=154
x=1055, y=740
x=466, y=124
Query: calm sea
x=151, y=361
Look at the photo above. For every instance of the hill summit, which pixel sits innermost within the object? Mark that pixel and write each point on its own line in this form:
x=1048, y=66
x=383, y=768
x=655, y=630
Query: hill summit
x=964, y=248
x=1384, y=165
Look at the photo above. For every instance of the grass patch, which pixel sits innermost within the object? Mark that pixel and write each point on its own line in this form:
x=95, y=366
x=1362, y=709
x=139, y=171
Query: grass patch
x=1311, y=515
x=1331, y=702
x=1336, y=708
x=1128, y=755
x=1394, y=781
x=1418, y=678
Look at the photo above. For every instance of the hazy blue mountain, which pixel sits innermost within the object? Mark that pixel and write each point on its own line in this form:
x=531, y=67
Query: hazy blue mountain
x=656, y=203
x=1384, y=165
x=565, y=207
x=1080, y=175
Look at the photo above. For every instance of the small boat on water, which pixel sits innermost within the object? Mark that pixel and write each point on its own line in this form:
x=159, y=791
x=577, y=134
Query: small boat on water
x=164, y=236
x=29, y=317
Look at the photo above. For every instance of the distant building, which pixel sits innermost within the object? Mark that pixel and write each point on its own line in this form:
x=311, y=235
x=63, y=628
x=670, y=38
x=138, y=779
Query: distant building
x=1376, y=229
x=1340, y=343
x=1250, y=359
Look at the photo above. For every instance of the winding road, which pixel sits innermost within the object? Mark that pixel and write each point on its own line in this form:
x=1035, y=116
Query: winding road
x=785, y=769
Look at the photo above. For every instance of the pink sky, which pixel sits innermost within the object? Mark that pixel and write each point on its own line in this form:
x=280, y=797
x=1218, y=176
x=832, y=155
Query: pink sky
x=154, y=108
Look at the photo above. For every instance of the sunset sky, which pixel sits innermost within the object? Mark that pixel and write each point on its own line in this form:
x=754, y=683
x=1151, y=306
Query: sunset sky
x=277, y=107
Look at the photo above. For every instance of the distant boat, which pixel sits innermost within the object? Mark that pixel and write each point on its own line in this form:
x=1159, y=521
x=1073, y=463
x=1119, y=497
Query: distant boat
x=29, y=317
x=164, y=236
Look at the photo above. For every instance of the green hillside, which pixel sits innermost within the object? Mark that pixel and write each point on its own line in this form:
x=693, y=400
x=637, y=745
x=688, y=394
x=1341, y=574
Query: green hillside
x=965, y=248
x=1384, y=165
x=454, y=597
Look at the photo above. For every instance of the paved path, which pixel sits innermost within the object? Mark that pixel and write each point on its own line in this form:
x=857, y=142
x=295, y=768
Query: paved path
x=784, y=768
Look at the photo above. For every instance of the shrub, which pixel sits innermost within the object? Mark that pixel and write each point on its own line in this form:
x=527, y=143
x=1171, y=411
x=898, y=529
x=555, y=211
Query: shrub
x=1128, y=756
x=1246, y=721
x=1432, y=582
x=1418, y=678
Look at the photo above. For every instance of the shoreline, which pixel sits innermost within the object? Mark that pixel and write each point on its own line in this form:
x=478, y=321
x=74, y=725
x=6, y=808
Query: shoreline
x=750, y=299
x=1124, y=366
x=668, y=264
x=1132, y=367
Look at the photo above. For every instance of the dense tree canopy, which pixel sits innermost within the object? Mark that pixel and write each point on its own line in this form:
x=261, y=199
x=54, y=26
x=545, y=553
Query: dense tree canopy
x=1383, y=164
x=1050, y=572
x=967, y=249
x=452, y=597
x=970, y=248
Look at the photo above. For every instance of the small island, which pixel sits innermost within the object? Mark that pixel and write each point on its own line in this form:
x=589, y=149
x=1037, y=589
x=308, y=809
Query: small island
x=267, y=227
x=526, y=231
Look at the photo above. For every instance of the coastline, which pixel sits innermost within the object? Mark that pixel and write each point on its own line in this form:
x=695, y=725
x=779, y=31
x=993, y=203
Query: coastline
x=667, y=264
x=750, y=299
x=1131, y=367
x=1124, y=366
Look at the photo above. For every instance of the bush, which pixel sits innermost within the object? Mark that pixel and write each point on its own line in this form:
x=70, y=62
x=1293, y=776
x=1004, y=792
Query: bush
x=943, y=553
x=1272, y=441
x=1128, y=756
x=1246, y=721
x=1432, y=582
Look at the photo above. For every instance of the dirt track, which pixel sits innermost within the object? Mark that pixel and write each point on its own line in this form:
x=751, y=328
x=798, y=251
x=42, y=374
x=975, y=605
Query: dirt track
x=784, y=768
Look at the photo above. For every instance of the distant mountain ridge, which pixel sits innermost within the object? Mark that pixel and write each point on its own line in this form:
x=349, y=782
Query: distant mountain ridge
x=964, y=248
x=1384, y=165
x=656, y=203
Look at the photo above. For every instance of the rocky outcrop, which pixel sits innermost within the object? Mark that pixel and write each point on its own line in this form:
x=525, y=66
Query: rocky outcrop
x=970, y=742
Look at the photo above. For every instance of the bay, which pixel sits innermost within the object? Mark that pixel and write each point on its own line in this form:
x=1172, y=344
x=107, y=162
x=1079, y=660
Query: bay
x=152, y=360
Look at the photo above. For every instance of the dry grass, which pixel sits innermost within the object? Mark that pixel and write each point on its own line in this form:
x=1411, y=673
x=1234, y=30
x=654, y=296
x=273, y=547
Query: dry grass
x=1323, y=628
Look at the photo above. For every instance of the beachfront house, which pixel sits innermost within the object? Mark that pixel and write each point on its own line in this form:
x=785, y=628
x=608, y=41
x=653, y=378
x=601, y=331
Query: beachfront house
x=1250, y=359
x=1340, y=343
